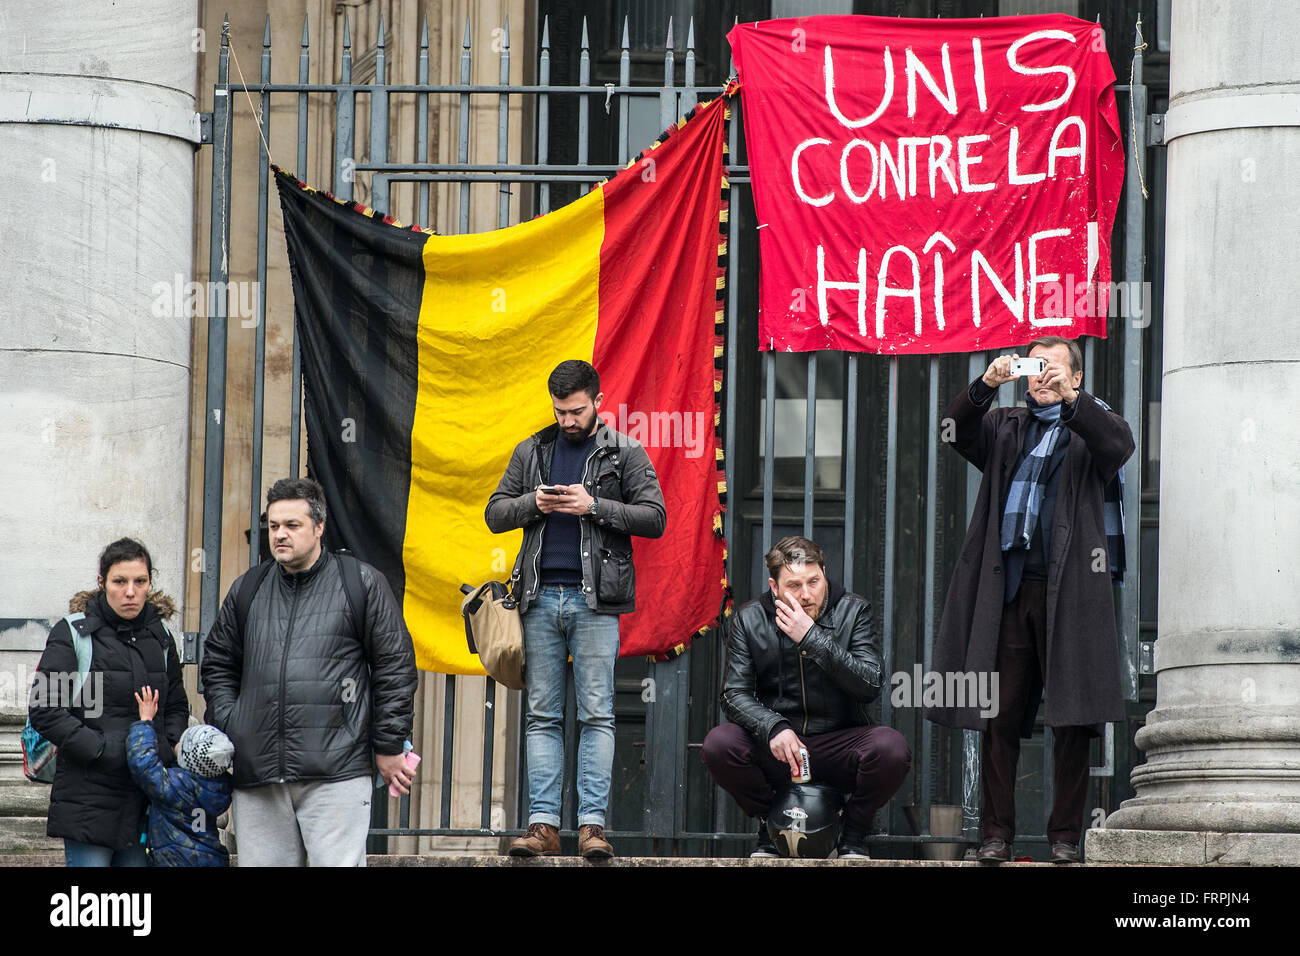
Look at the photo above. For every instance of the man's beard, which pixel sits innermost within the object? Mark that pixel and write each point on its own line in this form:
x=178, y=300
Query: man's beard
x=581, y=434
x=816, y=612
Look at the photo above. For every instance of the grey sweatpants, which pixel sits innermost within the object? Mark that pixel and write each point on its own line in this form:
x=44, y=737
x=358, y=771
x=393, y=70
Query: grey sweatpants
x=305, y=823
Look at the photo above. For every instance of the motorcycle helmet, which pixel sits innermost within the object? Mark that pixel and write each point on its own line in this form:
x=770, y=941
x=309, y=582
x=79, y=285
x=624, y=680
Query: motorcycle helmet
x=804, y=821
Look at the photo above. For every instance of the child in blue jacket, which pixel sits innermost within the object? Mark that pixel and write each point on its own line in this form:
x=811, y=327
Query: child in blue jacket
x=185, y=800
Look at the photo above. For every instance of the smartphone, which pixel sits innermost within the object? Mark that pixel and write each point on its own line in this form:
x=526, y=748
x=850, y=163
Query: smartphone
x=1028, y=366
x=552, y=490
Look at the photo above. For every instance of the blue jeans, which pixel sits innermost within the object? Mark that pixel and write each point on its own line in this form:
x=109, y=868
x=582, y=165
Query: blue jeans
x=88, y=854
x=559, y=624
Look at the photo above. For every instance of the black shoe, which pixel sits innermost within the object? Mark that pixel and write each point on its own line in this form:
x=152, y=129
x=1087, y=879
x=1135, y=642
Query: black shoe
x=766, y=849
x=994, y=851
x=853, y=845
x=1065, y=853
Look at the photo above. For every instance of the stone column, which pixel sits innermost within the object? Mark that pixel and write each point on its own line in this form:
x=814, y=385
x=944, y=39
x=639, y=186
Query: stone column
x=97, y=130
x=1221, y=782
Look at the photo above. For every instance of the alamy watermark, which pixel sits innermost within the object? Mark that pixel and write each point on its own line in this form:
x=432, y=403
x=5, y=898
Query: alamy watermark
x=180, y=299
x=1077, y=299
x=75, y=908
x=950, y=689
x=19, y=690
x=686, y=430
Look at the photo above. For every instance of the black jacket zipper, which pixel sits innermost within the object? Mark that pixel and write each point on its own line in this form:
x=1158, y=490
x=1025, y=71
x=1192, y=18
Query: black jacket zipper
x=284, y=664
x=803, y=694
x=537, y=554
x=586, y=534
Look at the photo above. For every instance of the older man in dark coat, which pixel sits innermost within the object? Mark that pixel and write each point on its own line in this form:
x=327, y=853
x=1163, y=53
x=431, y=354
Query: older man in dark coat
x=1030, y=598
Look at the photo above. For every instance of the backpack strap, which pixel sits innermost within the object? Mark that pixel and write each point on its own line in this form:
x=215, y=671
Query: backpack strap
x=467, y=612
x=166, y=638
x=82, y=645
x=355, y=590
x=244, y=596
x=353, y=587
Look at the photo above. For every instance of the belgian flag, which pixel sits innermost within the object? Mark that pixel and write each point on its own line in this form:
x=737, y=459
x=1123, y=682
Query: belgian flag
x=425, y=360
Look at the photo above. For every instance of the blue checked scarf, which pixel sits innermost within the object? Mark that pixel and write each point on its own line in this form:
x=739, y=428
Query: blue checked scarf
x=1025, y=497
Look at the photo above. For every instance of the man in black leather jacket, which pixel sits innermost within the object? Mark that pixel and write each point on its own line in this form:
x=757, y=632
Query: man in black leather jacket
x=312, y=698
x=803, y=663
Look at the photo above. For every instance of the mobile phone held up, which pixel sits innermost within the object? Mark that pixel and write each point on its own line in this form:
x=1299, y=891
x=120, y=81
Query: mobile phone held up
x=551, y=490
x=1027, y=366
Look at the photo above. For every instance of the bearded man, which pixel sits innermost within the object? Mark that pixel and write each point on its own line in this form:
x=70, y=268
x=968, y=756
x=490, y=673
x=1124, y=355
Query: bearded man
x=580, y=491
x=803, y=663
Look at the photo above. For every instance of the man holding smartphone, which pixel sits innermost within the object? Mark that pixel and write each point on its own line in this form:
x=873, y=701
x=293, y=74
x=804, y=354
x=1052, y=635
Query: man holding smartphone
x=803, y=663
x=1031, y=594
x=580, y=491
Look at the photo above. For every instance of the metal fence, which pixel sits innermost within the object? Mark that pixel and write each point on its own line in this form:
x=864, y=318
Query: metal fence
x=667, y=747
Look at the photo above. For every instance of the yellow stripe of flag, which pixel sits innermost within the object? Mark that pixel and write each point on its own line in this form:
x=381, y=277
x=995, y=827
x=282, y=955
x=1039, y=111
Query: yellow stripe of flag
x=476, y=400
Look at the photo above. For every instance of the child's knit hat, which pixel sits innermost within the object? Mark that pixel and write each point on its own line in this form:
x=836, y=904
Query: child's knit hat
x=205, y=751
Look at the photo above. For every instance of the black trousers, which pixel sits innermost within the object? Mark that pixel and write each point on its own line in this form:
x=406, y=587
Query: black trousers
x=1022, y=665
x=867, y=763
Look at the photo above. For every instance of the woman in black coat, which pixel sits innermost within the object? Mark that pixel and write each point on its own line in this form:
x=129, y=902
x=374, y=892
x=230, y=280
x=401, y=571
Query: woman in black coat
x=95, y=806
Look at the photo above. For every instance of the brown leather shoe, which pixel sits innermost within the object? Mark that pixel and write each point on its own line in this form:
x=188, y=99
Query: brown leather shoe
x=994, y=851
x=1065, y=853
x=542, y=839
x=592, y=844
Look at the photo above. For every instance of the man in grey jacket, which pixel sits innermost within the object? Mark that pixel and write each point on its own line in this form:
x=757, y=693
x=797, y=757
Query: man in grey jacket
x=312, y=697
x=579, y=490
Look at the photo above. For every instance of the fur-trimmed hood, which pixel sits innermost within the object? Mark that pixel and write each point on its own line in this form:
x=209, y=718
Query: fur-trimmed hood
x=163, y=604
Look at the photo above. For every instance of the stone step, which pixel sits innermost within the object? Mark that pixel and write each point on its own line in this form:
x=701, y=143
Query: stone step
x=668, y=862
x=25, y=835
x=24, y=799
x=10, y=859
x=34, y=858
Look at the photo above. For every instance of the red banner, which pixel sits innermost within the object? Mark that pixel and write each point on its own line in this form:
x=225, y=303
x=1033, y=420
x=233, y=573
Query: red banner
x=930, y=185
